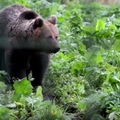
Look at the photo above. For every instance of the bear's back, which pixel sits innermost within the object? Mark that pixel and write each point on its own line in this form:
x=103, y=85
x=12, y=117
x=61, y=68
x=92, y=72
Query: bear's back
x=8, y=15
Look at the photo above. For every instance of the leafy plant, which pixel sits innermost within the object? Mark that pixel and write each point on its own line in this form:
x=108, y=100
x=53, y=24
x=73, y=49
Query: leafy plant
x=83, y=78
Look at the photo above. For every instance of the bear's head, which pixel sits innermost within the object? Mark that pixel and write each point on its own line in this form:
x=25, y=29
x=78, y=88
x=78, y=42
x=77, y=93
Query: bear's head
x=42, y=34
x=31, y=31
x=46, y=34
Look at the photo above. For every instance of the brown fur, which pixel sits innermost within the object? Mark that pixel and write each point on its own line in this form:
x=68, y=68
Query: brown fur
x=29, y=40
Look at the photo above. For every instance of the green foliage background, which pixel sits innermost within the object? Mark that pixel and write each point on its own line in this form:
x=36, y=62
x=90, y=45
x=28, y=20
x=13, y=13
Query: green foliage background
x=84, y=77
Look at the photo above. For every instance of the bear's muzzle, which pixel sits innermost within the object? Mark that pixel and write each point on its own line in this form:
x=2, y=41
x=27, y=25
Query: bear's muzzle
x=56, y=50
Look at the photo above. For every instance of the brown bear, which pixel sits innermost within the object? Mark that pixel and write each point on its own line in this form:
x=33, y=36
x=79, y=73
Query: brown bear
x=28, y=41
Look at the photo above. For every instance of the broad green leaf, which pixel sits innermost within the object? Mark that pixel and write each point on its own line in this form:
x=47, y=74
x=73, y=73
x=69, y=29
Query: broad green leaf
x=76, y=67
x=3, y=72
x=39, y=93
x=116, y=45
x=97, y=117
x=23, y=87
x=112, y=27
x=110, y=68
x=93, y=55
x=81, y=47
x=53, y=8
x=5, y=114
x=12, y=105
x=1, y=105
x=100, y=25
x=20, y=105
x=89, y=29
x=3, y=87
x=112, y=116
x=99, y=59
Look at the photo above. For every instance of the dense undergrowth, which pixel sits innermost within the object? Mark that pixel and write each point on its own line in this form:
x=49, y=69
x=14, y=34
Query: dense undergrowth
x=83, y=78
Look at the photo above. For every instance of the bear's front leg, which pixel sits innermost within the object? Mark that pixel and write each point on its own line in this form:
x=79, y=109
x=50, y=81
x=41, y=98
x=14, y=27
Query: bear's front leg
x=39, y=64
x=16, y=73
x=2, y=60
x=16, y=62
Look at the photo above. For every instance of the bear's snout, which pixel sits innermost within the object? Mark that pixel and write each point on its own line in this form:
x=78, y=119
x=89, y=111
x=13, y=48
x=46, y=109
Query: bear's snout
x=56, y=49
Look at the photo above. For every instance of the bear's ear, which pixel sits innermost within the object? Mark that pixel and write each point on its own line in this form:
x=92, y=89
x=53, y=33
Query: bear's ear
x=28, y=15
x=53, y=19
x=38, y=23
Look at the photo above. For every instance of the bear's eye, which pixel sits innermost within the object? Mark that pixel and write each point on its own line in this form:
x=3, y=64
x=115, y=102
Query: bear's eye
x=56, y=37
x=50, y=36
